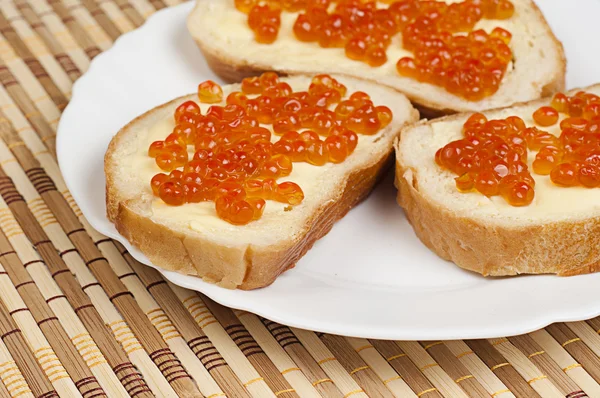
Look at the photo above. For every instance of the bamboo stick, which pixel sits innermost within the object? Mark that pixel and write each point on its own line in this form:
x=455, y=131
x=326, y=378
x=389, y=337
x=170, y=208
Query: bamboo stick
x=12, y=379
x=23, y=357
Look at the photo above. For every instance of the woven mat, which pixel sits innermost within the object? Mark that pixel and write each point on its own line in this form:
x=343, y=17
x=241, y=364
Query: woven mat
x=80, y=317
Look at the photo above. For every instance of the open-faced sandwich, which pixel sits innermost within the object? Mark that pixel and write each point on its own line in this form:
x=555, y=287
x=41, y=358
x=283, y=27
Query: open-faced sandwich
x=446, y=57
x=509, y=191
x=234, y=184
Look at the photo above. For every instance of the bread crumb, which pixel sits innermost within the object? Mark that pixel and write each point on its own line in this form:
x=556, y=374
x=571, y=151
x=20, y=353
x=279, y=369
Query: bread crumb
x=287, y=208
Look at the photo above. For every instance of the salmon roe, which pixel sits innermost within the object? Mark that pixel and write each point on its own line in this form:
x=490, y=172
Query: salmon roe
x=492, y=158
x=227, y=156
x=447, y=51
x=575, y=159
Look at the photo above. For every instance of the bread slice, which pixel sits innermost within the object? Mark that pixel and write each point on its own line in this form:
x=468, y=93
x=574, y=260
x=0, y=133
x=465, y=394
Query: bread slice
x=223, y=35
x=559, y=233
x=191, y=239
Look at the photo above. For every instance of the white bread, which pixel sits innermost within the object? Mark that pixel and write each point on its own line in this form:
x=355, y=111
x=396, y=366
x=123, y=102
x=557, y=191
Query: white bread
x=559, y=233
x=191, y=239
x=223, y=35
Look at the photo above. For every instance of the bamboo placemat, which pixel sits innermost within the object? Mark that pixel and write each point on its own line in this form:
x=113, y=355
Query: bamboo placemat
x=80, y=317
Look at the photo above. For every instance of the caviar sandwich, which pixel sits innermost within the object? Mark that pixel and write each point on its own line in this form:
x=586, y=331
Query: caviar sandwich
x=235, y=183
x=464, y=56
x=509, y=191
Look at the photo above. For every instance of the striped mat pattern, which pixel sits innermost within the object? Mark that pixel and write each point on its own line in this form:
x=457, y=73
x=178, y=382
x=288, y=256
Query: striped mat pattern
x=79, y=317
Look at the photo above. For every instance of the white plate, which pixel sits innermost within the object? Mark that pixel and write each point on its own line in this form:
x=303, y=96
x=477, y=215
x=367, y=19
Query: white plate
x=370, y=276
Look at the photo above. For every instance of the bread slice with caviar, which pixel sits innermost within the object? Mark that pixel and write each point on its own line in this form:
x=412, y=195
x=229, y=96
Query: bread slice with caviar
x=194, y=239
x=558, y=232
x=532, y=67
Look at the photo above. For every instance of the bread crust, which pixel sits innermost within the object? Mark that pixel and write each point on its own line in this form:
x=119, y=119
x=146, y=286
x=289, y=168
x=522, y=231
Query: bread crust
x=235, y=69
x=564, y=248
x=247, y=269
x=231, y=267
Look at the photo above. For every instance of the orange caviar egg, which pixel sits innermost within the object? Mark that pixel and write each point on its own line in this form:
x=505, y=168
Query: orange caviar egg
x=546, y=159
x=591, y=110
x=565, y=174
x=337, y=148
x=258, y=207
x=487, y=183
x=501, y=34
x=356, y=49
x=476, y=120
x=545, y=116
x=235, y=163
x=376, y=56
x=268, y=79
x=575, y=123
x=589, y=175
x=575, y=106
x=407, y=67
x=305, y=29
x=251, y=85
x=364, y=120
x=560, y=102
x=518, y=193
x=289, y=192
x=155, y=148
x=504, y=10
x=465, y=182
x=316, y=153
x=260, y=14
x=189, y=107
x=171, y=193
x=236, y=212
x=210, y=92
x=266, y=33
x=236, y=98
x=384, y=114
x=171, y=157
x=157, y=181
x=244, y=5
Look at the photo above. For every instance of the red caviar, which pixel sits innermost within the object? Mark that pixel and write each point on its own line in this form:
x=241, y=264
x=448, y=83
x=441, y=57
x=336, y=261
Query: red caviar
x=209, y=92
x=545, y=116
x=447, y=51
x=235, y=162
x=575, y=157
x=492, y=156
x=492, y=159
